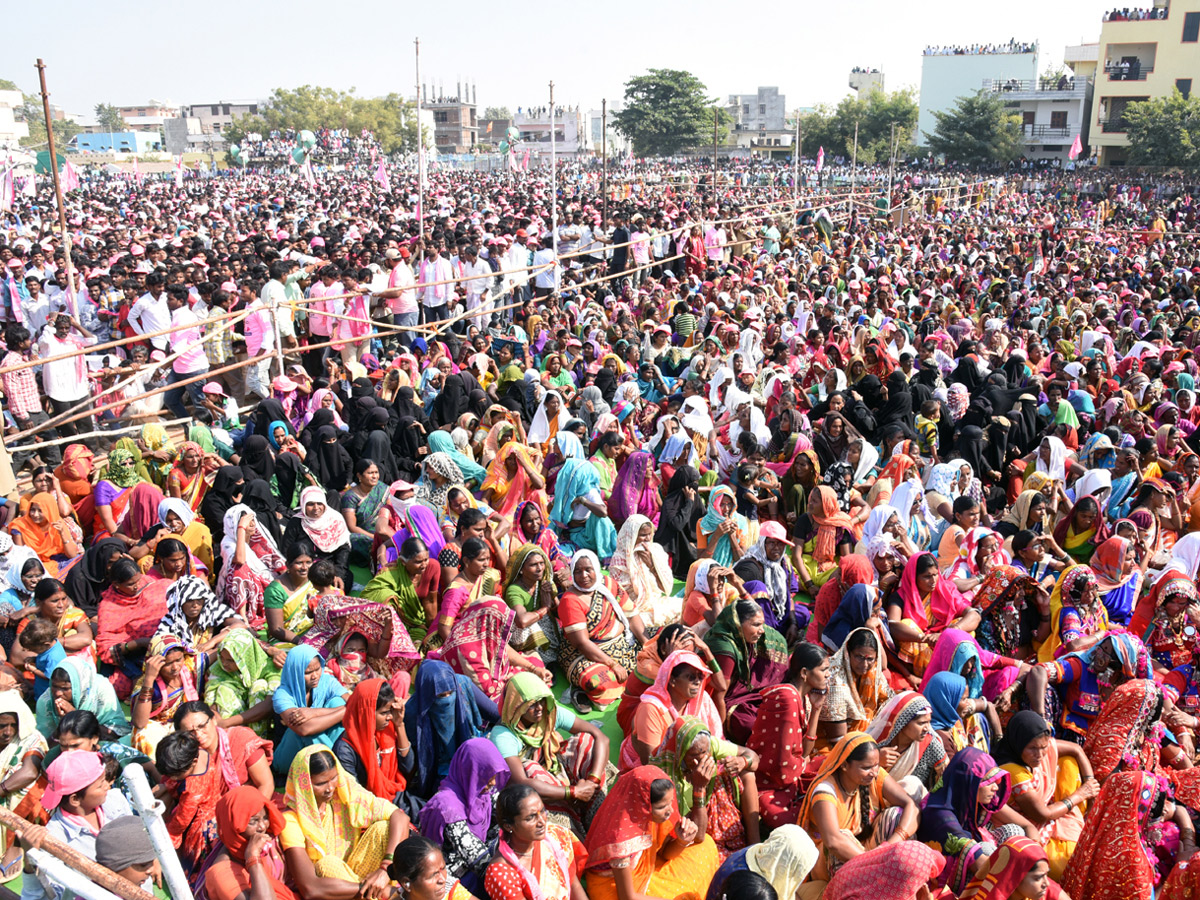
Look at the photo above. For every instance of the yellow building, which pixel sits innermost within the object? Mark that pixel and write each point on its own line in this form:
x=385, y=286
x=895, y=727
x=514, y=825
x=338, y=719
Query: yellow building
x=1144, y=53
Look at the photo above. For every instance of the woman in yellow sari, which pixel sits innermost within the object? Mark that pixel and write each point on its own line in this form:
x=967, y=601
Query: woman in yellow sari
x=336, y=833
x=158, y=452
x=513, y=477
x=181, y=520
x=638, y=846
x=833, y=812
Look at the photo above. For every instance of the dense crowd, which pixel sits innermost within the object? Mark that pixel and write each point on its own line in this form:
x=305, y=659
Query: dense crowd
x=1013, y=46
x=833, y=548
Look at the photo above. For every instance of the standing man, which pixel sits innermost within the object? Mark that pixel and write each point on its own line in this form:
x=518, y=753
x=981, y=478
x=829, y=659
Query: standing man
x=191, y=360
x=400, y=295
x=435, y=298
x=65, y=381
x=22, y=399
x=274, y=297
x=619, y=241
x=260, y=339
x=545, y=267
x=320, y=326
x=150, y=314
x=516, y=263
x=477, y=274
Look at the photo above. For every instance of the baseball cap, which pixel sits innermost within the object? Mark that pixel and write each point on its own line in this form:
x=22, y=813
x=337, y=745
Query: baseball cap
x=283, y=383
x=71, y=772
x=521, y=233
x=775, y=532
x=392, y=254
x=213, y=388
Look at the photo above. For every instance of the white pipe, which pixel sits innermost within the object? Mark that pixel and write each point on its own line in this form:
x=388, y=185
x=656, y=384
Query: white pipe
x=148, y=808
x=54, y=874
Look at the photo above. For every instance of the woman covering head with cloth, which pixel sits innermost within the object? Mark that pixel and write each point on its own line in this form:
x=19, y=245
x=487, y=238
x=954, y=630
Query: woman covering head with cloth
x=751, y=657
x=537, y=859
x=337, y=836
x=579, y=513
x=638, y=846
x=74, y=685
x=374, y=749
x=823, y=534
x=1017, y=870
x=567, y=773
x=853, y=806
x=909, y=749
x=241, y=681
x=310, y=703
x=928, y=604
x=858, y=685
x=642, y=568
x=250, y=863
x=724, y=534
x=529, y=591
x=784, y=860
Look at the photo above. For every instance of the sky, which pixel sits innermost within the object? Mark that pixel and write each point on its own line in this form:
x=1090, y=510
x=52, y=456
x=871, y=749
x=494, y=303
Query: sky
x=128, y=51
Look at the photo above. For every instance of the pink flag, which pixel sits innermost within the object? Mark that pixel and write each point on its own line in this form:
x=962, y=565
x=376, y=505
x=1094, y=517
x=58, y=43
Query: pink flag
x=381, y=176
x=136, y=174
x=820, y=158
x=179, y=172
x=8, y=190
x=525, y=162
x=68, y=177
x=1076, y=149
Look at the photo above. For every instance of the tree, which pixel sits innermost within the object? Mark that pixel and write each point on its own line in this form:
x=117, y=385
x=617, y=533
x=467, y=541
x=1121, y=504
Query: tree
x=392, y=119
x=33, y=115
x=833, y=129
x=6, y=85
x=978, y=130
x=667, y=111
x=109, y=117
x=497, y=112
x=1164, y=131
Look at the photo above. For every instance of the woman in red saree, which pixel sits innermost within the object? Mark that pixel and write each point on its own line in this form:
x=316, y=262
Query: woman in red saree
x=186, y=478
x=1128, y=728
x=1115, y=856
x=130, y=611
x=74, y=477
x=852, y=569
x=240, y=813
x=1014, y=860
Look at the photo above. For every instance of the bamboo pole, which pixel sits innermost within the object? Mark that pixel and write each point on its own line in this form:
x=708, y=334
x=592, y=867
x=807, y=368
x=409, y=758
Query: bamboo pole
x=62, y=213
x=38, y=837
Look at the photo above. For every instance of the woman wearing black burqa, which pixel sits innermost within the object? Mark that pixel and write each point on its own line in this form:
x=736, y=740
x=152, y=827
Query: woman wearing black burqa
x=406, y=446
x=257, y=495
x=450, y=403
x=378, y=446
x=226, y=491
x=329, y=460
x=677, y=519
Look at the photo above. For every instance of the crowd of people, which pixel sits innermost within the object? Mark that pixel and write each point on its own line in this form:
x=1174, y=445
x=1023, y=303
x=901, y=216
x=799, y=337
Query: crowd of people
x=749, y=548
x=1125, y=14
x=1012, y=46
x=332, y=145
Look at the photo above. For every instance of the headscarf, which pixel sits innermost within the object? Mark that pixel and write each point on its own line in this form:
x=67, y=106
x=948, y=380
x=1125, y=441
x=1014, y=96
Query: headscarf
x=945, y=602
x=376, y=749
x=45, y=540
x=726, y=638
x=213, y=614
x=887, y=872
x=523, y=690
x=539, y=429
x=463, y=795
x=1007, y=868
x=856, y=607
x=621, y=827
x=293, y=692
x=834, y=760
x=439, y=723
x=350, y=811
x=945, y=690
x=117, y=472
x=441, y=442
x=218, y=499
x=784, y=859
x=233, y=814
x=327, y=531
x=828, y=521
x=676, y=744
x=1127, y=729
x=1113, y=857
x=87, y=578
x=88, y=691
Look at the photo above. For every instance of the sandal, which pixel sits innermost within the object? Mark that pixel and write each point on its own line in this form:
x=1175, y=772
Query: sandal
x=13, y=869
x=582, y=703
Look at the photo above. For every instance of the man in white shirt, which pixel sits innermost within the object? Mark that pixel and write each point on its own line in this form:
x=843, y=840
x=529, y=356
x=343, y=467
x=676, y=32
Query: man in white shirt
x=191, y=359
x=516, y=264
x=435, y=298
x=543, y=278
x=477, y=274
x=65, y=381
x=274, y=296
x=150, y=313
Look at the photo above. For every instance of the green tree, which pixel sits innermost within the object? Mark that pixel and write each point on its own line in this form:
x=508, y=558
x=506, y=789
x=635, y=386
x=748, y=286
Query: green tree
x=833, y=129
x=668, y=110
x=32, y=114
x=497, y=112
x=392, y=119
x=6, y=85
x=1164, y=131
x=978, y=130
x=109, y=117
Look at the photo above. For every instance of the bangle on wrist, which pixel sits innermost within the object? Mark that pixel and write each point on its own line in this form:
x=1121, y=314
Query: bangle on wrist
x=712, y=664
x=1068, y=803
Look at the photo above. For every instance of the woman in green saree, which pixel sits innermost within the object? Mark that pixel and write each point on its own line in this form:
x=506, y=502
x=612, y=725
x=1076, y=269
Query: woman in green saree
x=604, y=461
x=411, y=588
x=360, y=505
x=529, y=589
x=286, y=598
x=240, y=686
x=752, y=656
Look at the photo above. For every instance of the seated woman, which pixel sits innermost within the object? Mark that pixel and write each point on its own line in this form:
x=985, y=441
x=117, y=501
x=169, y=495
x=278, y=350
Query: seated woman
x=909, y=750
x=1051, y=781
x=967, y=816
x=529, y=591
x=1115, y=658
x=242, y=756
x=642, y=568
x=529, y=528
x=72, y=628
x=784, y=733
x=241, y=683
x=834, y=810
x=601, y=631
x=197, y=619
x=459, y=816
x=360, y=506
x=419, y=869
x=442, y=715
x=949, y=697
x=1081, y=530
x=925, y=603
x=21, y=782
x=823, y=534
x=473, y=523
x=249, y=865
x=678, y=517
x=579, y=513
x=714, y=783
x=286, y=599
x=679, y=689
x=196, y=784
x=958, y=653
x=858, y=686
x=752, y=656
x=638, y=846
x=250, y=562
x=309, y=702
x=130, y=611
x=980, y=553
x=902, y=871
x=568, y=773
x=74, y=684
x=322, y=527
x=1018, y=870
x=1119, y=577
x=374, y=749
x=783, y=860
x=337, y=836
x=536, y=859
x=709, y=588
x=169, y=680
x=410, y=586
x=41, y=528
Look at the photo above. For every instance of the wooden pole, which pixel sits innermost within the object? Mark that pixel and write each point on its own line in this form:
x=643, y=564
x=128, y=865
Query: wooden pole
x=37, y=836
x=554, y=192
x=604, y=163
x=62, y=213
x=716, y=199
x=420, y=148
x=796, y=161
x=854, y=169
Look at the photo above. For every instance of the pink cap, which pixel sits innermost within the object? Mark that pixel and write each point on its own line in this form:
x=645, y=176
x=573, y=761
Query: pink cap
x=72, y=771
x=774, y=531
x=213, y=388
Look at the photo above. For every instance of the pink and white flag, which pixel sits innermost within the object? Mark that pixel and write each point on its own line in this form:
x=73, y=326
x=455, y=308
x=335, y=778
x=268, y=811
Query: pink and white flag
x=820, y=158
x=1076, y=149
x=381, y=176
x=179, y=171
x=8, y=190
x=68, y=177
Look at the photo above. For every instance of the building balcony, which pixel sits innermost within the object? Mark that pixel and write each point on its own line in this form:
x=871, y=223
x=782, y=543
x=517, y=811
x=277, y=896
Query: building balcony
x=1129, y=73
x=1038, y=134
x=1037, y=88
x=1114, y=126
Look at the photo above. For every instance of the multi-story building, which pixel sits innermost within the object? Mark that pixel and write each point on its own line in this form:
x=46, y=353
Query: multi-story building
x=570, y=136
x=760, y=122
x=11, y=131
x=948, y=73
x=617, y=144
x=1144, y=54
x=216, y=117
x=455, y=126
x=149, y=116
x=1054, y=110
x=864, y=80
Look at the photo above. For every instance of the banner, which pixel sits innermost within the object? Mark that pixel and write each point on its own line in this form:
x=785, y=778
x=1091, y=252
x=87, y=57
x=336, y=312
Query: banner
x=179, y=171
x=1076, y=149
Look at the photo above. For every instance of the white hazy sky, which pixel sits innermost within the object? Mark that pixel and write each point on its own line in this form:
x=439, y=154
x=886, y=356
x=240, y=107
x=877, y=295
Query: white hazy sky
x=127, y=51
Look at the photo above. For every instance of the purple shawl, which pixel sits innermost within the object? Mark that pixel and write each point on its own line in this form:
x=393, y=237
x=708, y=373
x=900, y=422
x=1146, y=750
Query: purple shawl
x=419, y=521
x=464, y=795
x=629, y=494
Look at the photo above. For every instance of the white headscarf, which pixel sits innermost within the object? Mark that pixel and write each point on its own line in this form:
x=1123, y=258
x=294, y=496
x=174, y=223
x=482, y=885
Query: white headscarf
x=1057, y=469
x=867, y=458
x=599, y=587
x=539, y=428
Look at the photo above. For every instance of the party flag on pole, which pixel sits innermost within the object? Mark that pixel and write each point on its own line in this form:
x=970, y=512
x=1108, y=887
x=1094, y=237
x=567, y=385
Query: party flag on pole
x=1076, y=148
x=381, y=176
x=69, y=177
x=820, y=158
x=179, y=171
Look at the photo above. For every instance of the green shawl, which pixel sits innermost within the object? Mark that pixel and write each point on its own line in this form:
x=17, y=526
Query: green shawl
x=676, y=745
x=725, y=637
x=394, y=587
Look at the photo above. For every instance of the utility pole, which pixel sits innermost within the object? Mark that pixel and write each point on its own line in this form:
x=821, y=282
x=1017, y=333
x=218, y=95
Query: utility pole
x=420, y=149
x=854, y=168
x=716, y=199
x=604, y=163
x=796, y=164
x=891, y=166
x=553, y=190
x=62, y=215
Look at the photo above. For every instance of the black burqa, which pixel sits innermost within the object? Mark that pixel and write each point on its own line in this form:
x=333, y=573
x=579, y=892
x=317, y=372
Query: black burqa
x=677, y=520
x=450, y=403
x=406, y=446
x=330, y=461
x=322, y=418
x=406, y=405
x=220, y=497
x=257, y=495
x=378, y=447
x=267, y=411
x=88, y=578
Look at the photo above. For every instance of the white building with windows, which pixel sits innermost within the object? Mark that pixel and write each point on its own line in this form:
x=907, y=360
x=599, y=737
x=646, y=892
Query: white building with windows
x=214, y=118
x=947, y=75
x=618, y=144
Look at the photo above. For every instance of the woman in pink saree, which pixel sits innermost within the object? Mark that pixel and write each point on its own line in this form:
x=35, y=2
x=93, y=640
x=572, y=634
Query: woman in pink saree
x=635, y=490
